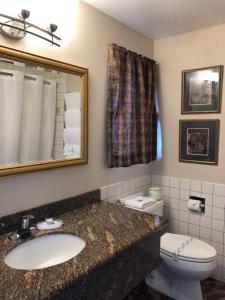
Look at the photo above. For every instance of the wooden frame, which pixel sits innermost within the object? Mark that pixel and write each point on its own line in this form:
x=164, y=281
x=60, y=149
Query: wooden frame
x=214, y=106
x=10, y=53
x=208, y=153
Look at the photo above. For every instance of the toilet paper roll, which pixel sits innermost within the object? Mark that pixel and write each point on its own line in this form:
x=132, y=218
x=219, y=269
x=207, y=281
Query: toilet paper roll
x=194, y=205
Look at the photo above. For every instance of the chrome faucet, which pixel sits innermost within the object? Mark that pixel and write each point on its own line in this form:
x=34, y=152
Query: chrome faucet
x=26, y=221
x=25, y=231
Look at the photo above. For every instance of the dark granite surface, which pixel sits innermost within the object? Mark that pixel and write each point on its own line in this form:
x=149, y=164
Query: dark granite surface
x=122, y=246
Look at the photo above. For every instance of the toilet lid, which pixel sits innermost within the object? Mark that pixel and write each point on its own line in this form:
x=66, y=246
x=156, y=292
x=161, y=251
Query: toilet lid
x=186, y=247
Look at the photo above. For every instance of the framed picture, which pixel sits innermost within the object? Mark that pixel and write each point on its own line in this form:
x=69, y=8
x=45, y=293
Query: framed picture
x=202, y=90
x=199, y=141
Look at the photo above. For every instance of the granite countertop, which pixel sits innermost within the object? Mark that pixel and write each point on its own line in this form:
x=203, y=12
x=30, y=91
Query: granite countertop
x=108, y=229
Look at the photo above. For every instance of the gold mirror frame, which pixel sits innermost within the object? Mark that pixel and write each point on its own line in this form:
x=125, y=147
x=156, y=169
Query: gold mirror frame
x=33, y=59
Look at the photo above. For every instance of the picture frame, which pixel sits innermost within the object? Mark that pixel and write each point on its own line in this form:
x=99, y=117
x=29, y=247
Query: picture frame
x=199, y=141
x=202, y=90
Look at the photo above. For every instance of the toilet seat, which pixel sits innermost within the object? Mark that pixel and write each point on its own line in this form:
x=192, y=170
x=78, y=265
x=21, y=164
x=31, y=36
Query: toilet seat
x=185, y=248
x=188, y=259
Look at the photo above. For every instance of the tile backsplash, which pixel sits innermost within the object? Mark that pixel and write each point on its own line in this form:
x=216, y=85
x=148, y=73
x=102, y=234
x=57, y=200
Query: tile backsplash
x=113, y=192
x=208, y=227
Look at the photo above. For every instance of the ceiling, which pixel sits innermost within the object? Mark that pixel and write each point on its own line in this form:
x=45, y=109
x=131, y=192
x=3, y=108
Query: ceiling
x=161, y=18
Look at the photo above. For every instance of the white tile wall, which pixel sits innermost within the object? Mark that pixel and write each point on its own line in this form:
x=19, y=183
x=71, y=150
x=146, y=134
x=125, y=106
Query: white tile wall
x=209, y=227
x=117, y=190
x=174, y=193
x=196, y=186
x=58, y=146
x=156, y=179
x=205, y=233
x=174, y=182
x=218, y=201
x=165, y=180
x=219, y=189
x=185, y=183
x=207, y=187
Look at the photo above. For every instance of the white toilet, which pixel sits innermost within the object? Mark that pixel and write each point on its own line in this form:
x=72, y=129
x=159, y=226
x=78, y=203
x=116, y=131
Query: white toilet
x=185, y=261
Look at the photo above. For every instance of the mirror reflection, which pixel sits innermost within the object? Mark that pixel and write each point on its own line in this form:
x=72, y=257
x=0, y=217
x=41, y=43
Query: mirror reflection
x=40, y=115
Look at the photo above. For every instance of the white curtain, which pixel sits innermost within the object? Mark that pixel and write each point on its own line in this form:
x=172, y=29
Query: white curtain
x=27, y=117
x=11, y=100
x=48, y=119
x=31, y=119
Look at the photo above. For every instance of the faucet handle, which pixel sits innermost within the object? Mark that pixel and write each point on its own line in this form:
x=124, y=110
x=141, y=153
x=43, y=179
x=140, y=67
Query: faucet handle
x=2, y=226
x=26, y=221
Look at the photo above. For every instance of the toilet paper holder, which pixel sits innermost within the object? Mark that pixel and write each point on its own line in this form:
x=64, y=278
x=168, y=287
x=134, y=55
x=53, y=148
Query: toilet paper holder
x=201, y=200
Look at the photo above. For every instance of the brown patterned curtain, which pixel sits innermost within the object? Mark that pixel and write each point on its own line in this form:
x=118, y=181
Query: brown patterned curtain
x=131, y=108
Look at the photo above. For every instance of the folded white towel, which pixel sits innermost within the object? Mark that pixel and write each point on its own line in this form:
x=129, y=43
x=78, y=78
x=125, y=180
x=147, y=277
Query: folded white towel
x=72, y=136
x=140, y=202
x=72, y=100
x=73, y=118
x=68, y=148
x=68, y=154
x=76, y=150
x=71, y=150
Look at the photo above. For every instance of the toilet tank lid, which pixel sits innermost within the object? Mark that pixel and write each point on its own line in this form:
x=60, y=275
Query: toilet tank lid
x=186, y=246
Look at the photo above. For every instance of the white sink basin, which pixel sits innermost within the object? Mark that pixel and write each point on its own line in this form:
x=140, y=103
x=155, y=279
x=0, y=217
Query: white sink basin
x=45, y=251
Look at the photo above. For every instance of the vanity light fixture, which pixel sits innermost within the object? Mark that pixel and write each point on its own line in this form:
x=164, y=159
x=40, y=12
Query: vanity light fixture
x=17, y=28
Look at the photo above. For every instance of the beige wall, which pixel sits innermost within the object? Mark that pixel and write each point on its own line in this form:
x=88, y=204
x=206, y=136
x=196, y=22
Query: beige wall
x=196, y=49
x=88, y=33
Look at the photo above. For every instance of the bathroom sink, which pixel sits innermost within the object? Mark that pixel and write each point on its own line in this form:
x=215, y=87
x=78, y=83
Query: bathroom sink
x=44, y=251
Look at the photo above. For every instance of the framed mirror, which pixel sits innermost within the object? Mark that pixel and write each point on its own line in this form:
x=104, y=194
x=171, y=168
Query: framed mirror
x=43, y=113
